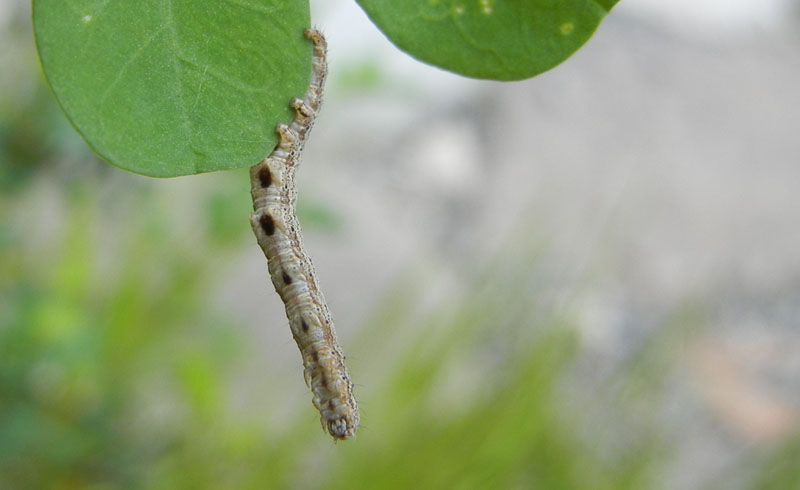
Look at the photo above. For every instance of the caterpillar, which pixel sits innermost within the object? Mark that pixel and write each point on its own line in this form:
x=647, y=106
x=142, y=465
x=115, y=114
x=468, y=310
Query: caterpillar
x=277, y=231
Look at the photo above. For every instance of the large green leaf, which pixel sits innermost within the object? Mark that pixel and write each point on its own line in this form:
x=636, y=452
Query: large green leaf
x=175, y=87
x=496, y=39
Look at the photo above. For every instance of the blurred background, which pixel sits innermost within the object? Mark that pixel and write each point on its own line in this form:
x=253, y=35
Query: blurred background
x=586, y=280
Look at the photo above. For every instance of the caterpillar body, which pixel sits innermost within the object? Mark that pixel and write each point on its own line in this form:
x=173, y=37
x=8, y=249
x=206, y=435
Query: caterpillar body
x=277, y=231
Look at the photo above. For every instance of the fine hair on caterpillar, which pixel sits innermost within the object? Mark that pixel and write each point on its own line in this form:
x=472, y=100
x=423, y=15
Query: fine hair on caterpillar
x=277, y=231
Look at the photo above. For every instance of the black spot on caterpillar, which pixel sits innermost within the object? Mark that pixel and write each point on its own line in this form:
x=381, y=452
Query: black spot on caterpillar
x=267, y=224
x=265, y=177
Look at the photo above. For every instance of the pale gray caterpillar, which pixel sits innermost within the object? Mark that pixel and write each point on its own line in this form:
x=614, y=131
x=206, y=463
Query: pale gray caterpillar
x=278, y=233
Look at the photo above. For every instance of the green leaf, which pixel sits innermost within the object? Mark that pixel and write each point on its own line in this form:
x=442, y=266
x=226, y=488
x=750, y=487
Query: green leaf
x=496, y=39
x=175, y=87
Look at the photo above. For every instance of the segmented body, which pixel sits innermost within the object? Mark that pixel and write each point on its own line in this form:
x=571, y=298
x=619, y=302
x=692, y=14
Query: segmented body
x=278, y=233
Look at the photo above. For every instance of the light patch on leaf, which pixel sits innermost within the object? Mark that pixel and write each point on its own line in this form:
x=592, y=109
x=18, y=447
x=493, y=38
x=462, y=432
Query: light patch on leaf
x=458, y=9
x=86, y=18
x=486, y=6
x=566, y=28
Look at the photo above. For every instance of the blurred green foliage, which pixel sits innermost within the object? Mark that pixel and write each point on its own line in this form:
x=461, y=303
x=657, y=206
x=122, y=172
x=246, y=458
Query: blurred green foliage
x=118, y=378
x=79, y=346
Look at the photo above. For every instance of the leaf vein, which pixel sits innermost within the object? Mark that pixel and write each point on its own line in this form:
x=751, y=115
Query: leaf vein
x=125, y=66
x=216, y=74
x=184, y=114
x=254, y=7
